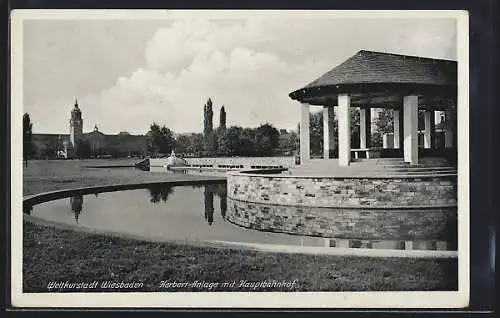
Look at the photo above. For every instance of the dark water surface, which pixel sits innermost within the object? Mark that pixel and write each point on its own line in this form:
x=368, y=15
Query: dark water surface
x=188, y=213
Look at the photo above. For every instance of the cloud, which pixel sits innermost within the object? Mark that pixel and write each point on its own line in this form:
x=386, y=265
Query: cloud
x=250, y=66
x=253, y=86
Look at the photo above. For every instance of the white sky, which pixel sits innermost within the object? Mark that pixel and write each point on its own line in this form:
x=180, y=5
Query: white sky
x=129, y=73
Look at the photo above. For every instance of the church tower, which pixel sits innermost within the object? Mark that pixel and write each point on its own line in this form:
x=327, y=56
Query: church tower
x=76, y=125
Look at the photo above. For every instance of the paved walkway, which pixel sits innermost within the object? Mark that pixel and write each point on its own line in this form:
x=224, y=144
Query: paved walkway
x=371, y=167
x=344, y=251
x=274, y=248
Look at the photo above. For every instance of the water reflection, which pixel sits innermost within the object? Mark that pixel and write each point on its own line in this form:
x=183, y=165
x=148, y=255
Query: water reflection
x=429, y=245
x=187, y=210
x=392, y=229
x=223, y=205
x=209, y=205
x=160, y=193
x=76, y=203
x=210, y=191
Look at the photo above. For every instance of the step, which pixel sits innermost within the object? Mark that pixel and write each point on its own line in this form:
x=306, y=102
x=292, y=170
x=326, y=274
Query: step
x=401, y=161
x=419, y=168
x=422, y=172
x=409, y=173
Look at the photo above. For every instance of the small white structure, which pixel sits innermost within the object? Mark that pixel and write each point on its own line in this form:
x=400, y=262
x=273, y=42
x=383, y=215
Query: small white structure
x=174, y=161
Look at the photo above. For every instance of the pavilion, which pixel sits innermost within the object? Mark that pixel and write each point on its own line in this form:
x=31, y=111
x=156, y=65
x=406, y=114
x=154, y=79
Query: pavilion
x=405, y=84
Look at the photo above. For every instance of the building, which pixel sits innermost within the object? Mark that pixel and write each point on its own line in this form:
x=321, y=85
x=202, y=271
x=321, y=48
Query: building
x=76, y=126
x=404, y=84
x=97, y=144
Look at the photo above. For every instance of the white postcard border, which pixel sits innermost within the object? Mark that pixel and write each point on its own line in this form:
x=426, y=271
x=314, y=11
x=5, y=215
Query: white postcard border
x=237, y=299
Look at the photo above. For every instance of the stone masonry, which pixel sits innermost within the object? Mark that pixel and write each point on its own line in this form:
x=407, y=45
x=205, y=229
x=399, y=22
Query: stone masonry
x=407, y=224
x=349, y=192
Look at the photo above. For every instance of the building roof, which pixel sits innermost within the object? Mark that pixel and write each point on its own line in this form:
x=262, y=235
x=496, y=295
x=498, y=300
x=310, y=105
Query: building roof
x=88, y=134
x=377, y=78
x=50, y=135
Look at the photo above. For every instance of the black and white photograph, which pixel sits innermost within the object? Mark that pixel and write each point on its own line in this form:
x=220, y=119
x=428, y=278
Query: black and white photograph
x=232, y=158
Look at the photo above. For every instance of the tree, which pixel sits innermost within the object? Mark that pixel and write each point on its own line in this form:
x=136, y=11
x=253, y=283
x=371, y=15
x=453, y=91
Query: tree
x=160, y=140
x=27, y=138
x=316, y=133
x=208, y=117
x=266, y=140
x=214, y=140
x=167, y=140
x=247, y=142
x=384, y=124
x=222, y=118
x=154, y=139
x=355, y=122
x=288, y=142
x=230, y=141
x=210, y=143
x=183, y=144
x=198, y=144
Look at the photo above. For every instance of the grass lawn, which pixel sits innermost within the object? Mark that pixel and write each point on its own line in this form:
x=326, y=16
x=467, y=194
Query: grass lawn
x=49, y=175
x=51, y=254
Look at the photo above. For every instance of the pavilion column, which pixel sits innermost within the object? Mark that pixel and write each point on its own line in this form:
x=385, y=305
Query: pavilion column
x=430, y=129
x=395, y=119
x=410, y=127
x=328, y=132
x=449, y=138
x=305, y=141
x=364, y=127
x=344, y=128
x=401, y=124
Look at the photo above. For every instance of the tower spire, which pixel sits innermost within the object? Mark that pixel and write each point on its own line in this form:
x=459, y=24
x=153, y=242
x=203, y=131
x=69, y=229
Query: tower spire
x=76, y=102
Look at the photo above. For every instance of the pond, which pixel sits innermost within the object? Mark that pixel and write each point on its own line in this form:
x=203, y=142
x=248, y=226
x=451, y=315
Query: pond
x=204, y=213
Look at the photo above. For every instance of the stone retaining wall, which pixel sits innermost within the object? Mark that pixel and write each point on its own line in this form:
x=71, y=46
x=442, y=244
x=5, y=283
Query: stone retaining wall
x=431, y=224
x=348, y=192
